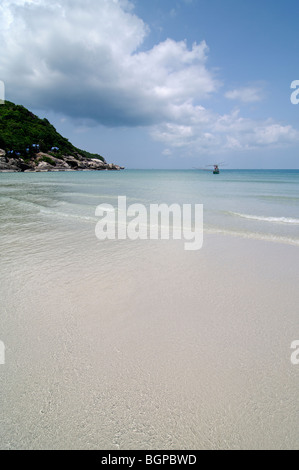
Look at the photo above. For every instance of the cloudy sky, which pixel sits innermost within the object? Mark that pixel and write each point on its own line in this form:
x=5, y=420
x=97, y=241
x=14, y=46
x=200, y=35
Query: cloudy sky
x=159, y=83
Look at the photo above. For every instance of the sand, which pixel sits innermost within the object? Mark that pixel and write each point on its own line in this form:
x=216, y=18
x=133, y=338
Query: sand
x=150, y=346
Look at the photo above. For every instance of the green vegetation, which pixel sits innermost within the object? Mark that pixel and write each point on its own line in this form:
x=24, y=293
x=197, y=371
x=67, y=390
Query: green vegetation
x=48, y=160
x=20, y=129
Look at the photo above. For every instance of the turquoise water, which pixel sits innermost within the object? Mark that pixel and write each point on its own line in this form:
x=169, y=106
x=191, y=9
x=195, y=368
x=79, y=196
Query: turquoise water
x=256, y=204
x=143, y=345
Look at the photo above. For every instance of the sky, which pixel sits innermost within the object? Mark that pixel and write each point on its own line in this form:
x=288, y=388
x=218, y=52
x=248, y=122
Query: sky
x=168, y=84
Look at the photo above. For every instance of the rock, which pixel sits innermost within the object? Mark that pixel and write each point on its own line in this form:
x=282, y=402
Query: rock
x=79, y=157
x=41, y=155
x=6, y=167
x=43, y=166
x=113, y=167
x=95, y=164
x=71, y=161
x=24, y=166
x=13, y=164
x=41, y=162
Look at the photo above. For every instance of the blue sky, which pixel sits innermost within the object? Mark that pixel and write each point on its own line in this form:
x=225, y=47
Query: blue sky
x=159, y=83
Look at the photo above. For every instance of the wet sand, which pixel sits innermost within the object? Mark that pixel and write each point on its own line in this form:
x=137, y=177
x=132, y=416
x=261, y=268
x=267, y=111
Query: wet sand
x=150, y=347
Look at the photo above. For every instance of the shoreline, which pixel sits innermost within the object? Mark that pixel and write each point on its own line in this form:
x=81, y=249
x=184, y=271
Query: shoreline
x=59, y=171
x=184, y=353
x=50, y=162
x=140, y=344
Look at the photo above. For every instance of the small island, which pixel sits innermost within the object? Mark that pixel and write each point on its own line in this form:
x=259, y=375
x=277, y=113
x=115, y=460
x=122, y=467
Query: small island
x=31, y=144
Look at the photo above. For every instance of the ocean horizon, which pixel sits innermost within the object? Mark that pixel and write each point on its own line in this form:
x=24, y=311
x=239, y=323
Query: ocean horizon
x=148, y=272
x=123, y=344
x=261, y=204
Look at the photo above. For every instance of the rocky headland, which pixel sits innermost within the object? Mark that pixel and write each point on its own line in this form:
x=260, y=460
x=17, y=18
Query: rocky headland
x=43, y=162
x=31, y=144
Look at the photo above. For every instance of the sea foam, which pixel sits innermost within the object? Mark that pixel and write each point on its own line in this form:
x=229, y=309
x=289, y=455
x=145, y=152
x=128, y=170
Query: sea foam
x=277, y=220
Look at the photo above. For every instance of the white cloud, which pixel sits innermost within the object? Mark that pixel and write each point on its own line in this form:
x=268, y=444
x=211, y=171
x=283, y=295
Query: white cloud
x=207, y=132
x=246, y=94
x=84, y=60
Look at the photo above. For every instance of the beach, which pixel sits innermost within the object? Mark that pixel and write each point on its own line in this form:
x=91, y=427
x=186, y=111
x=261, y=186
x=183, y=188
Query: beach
x=141, y=344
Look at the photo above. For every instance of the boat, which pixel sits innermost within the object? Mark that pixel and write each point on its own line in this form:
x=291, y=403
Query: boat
x=215, y=166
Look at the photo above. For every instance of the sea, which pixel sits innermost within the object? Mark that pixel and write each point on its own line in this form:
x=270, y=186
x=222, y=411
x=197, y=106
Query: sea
x=140, y=344
x=261, y=204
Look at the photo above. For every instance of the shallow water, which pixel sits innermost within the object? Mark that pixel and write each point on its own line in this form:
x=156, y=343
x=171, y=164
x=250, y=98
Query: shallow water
x=255, y=204
x=142, y=345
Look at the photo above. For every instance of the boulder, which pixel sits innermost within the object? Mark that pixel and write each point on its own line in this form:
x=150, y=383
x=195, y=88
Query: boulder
x=4, y=166
x=43, y=166
x=24, y=166
x=9, y=167
x=72, y=162
x=65, y=163
x=95, y=164
x=111, y=166
x=40, y=155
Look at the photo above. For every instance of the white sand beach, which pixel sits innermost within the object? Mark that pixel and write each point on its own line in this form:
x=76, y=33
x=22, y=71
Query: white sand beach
x=165, y=349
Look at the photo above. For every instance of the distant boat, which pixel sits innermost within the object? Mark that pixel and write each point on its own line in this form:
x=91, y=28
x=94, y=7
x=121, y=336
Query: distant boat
x=215, y=166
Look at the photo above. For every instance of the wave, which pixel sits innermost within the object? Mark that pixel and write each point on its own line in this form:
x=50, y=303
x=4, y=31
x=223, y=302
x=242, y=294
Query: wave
x=275, y=220
x=278, y=198
x=253, y=235
x=65, y=215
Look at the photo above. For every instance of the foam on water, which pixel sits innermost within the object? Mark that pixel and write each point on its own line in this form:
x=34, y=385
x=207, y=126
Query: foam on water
x=263, y=204
x=278, y=220
x=142, y=345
